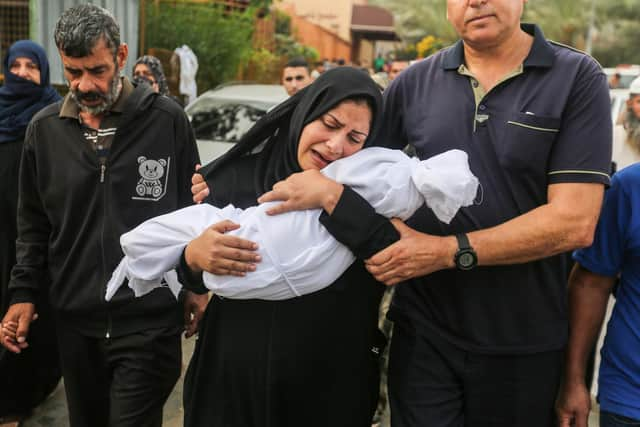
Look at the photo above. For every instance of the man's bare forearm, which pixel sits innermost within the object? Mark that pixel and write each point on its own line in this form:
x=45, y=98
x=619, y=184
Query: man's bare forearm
x=588, y=297
x=567, y=222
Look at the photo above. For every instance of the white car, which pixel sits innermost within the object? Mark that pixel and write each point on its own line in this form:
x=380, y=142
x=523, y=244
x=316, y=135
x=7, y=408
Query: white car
x=627, y=74
x=220, y=117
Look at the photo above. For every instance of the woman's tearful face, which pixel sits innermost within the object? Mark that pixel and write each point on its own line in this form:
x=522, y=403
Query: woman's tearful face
x=340, y=132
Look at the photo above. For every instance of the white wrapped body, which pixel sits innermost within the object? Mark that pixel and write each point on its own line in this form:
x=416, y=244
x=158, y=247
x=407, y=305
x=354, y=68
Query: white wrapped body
x=299, y=256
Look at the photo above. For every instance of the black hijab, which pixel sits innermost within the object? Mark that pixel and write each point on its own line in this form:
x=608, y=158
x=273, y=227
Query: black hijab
x=280, y=129
x=20, y=98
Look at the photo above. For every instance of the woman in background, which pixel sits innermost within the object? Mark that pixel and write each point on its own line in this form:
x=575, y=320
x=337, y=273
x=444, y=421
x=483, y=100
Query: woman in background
x=149, y=68
x=29, y=377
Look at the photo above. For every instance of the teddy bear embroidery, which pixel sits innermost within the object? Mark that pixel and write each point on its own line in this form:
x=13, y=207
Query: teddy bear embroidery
x=152, y=184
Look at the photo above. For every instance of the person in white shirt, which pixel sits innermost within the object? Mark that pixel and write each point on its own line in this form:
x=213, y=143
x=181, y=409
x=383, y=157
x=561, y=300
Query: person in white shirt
x=626, y=135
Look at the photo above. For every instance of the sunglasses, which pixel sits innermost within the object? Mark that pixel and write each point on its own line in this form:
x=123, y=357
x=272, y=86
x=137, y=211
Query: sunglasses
x=290, y=78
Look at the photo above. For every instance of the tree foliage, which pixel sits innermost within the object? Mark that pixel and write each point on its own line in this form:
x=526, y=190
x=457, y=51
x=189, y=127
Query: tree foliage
x=615, y=26
x=286, y=45
x=615, y=32
x=428, y=45
x=221, y=40
x=415, y=19
x=618, y=35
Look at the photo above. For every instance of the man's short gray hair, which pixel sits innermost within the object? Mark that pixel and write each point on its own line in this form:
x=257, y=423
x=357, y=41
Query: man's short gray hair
x=81, y=27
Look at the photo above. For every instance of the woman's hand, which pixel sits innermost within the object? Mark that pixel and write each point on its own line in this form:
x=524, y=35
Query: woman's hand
x=199, y=187
x=304, y=190
x=219, y=253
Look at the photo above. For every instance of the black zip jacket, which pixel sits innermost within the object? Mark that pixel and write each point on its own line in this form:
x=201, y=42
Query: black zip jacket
x=72, y=211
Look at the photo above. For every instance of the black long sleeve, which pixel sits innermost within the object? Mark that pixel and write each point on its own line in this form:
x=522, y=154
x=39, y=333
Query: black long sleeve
x=191, y=281
x=356, y=224
x=34, y=229
x=189, y=157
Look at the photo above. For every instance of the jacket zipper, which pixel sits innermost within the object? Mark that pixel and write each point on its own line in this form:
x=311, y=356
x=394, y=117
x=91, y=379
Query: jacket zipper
x=107, y=334
x=105, y=199
x=103, y=168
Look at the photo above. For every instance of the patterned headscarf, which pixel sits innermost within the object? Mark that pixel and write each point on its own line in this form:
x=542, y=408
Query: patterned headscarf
x=155, y=66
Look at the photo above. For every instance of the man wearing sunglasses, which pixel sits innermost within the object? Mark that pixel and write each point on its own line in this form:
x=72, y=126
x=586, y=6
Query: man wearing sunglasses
x=295, y=75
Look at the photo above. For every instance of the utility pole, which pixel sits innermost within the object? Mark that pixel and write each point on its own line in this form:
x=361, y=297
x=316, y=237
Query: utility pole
x=591, y=29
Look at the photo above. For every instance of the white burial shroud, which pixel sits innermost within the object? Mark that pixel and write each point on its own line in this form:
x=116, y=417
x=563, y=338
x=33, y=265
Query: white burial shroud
x=299, y=256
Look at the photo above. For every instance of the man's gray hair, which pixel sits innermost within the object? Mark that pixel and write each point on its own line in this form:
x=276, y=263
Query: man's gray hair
x=81, y=27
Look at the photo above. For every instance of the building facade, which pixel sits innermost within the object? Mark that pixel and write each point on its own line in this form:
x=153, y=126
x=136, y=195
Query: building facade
x=340, y=29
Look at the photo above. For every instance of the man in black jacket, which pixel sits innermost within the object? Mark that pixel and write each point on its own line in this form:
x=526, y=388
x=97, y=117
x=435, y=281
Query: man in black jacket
x=110, y=156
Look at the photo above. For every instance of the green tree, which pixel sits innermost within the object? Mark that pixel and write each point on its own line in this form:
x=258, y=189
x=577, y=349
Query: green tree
x=221, y=40
x=427, y=46
x=615, y=31
x=286, y=45
x=617, y=39
x=415, y=19
x=565, y=21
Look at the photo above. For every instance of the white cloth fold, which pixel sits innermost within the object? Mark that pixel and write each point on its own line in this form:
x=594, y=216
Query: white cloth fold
x=299, y=256
x=188, y=71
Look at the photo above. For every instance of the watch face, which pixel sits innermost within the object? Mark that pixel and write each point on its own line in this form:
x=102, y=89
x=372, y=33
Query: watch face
x=466, y=260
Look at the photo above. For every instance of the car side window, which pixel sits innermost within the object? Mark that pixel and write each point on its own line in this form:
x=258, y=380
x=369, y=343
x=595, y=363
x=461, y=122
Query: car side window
x=227, y=122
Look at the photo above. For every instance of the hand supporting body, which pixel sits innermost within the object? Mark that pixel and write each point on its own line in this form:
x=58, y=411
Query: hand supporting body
x=299, y=256
x=566, y=222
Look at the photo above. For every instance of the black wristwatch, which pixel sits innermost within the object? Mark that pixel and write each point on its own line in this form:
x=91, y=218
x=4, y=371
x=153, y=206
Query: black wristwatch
x=465, y=257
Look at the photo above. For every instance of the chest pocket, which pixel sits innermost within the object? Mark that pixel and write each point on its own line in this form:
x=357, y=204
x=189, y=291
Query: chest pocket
x=527, y=142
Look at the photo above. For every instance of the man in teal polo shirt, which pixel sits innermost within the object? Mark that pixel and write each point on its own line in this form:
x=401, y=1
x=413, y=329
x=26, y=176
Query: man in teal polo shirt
x=480, y=311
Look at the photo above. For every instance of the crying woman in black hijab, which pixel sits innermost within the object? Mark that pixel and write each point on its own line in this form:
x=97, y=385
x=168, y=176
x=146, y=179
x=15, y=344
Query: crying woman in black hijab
x=279, y=159
x=279, y=139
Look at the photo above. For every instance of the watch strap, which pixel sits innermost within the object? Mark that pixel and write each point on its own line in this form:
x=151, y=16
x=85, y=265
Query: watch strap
x=463, y=241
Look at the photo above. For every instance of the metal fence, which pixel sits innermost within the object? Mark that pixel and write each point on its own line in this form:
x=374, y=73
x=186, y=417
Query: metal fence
x=45, y=14
x=36, y=19
x=14, y=24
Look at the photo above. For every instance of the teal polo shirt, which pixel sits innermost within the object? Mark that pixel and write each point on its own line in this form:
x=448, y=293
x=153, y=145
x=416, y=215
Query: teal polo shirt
x=547, y=122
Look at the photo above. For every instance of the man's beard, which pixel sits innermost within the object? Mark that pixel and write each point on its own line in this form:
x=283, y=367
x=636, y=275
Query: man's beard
x=632, y=126
x=108, y=99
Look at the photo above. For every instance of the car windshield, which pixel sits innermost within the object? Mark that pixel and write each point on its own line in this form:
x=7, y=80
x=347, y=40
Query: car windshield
x=224, y=120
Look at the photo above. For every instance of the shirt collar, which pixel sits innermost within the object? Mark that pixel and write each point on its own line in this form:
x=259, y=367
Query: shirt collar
x=540, y=55
x=70, y=109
